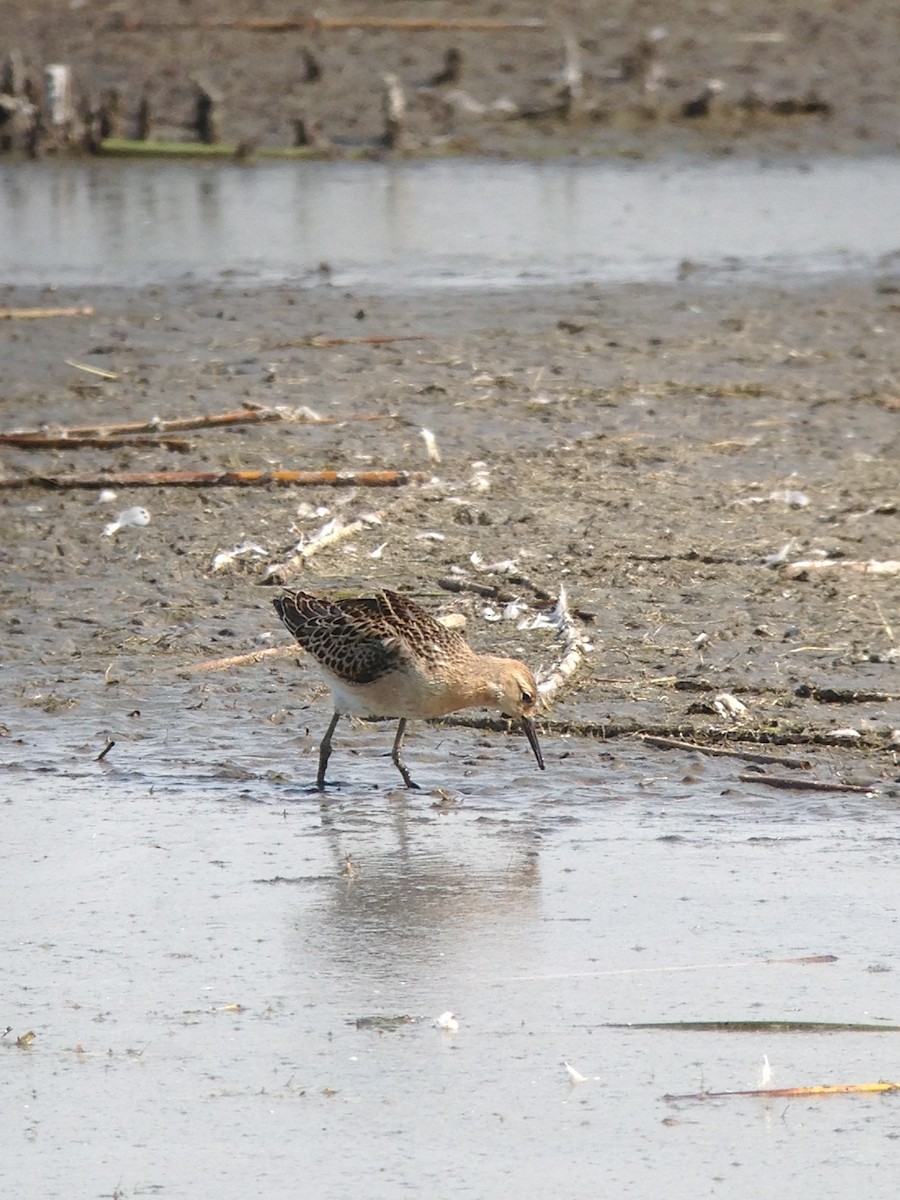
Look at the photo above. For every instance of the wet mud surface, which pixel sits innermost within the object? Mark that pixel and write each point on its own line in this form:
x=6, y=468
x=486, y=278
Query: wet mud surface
x=233, y=983
x=666, y=453
x=641, y=65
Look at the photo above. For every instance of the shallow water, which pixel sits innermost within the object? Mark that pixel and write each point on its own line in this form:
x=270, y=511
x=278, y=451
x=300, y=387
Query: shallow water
x=475, y=223
x=183, y=933
x=184, y=938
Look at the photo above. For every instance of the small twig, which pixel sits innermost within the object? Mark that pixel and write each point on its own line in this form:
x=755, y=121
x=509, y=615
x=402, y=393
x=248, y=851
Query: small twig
x=106, y=749
x=887, y=628
x=535, y=588
x=309, y=22
x=334, y=532
x=244, y=416
x=51, y=441
x=243, y=660
x=282, y=478
x=666, y=743
x=35, y=314
x=319, y=341
x=100, y=372
x=487, y=591
x=808, y=785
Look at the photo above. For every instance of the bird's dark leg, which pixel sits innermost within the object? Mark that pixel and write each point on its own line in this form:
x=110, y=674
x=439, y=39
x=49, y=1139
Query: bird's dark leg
x=396, y=758
x=325, y=752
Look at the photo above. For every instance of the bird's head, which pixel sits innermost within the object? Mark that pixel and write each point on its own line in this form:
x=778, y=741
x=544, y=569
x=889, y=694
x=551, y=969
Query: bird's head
x=517, y=696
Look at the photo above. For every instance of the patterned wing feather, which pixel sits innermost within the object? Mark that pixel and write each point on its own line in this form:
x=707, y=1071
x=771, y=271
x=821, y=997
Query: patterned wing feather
x=426, y=638
x=339, y=638
x=359, y=640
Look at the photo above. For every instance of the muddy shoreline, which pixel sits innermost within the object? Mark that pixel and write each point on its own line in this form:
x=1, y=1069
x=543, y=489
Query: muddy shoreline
x=650, y=447
x=792, y=80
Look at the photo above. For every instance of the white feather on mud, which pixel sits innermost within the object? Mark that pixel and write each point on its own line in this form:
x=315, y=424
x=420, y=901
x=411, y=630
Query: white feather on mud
x=506, y=566
x=431, y=446
x=480, y=479
x=576, y=1077
x=127, y=518
x=226, y=558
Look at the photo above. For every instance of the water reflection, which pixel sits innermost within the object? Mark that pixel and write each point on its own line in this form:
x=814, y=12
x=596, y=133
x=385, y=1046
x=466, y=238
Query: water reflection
x=410, y=894
x=472, y=223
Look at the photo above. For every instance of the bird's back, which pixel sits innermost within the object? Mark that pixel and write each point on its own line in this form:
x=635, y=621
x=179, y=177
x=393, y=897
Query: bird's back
x=361, y=640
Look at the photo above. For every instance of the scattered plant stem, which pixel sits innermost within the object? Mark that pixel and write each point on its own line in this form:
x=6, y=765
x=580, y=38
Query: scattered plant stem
x=667, y=743
x=282, y=478
x=35, y=314
x=243, y=416
x=834, y=1089
x=243, y=660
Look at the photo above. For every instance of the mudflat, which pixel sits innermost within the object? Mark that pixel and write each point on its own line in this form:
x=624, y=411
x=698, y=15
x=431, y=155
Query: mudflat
x=789, y=78
x=669, y=454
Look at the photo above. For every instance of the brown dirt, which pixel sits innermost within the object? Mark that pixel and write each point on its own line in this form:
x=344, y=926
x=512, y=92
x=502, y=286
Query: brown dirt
x=633, y=439
x=844, y=54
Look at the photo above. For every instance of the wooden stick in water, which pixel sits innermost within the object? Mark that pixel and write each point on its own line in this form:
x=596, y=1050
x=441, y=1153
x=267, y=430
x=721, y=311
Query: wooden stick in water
x=831, y=1089
x=808, y=785
x=667, y=743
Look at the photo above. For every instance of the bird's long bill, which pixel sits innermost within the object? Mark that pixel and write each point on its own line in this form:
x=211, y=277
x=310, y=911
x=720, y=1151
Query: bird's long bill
x=528, y=727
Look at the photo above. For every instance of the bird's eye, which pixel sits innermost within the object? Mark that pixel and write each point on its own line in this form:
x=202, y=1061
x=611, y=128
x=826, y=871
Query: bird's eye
x=527, y=698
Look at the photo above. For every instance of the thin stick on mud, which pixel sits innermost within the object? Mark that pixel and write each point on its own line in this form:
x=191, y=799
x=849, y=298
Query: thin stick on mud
x=404, y=24
x=106, y=749
x=280, y=478
x=490, y=591
x=667, y=743
x=318, y=341
x=100, y=372
x=809, y=785
x=55, y=442
x=39, y=314
x=887, y=628
x=332, y=533
x=310, y=22
x=243, y=660
x=244, y=416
